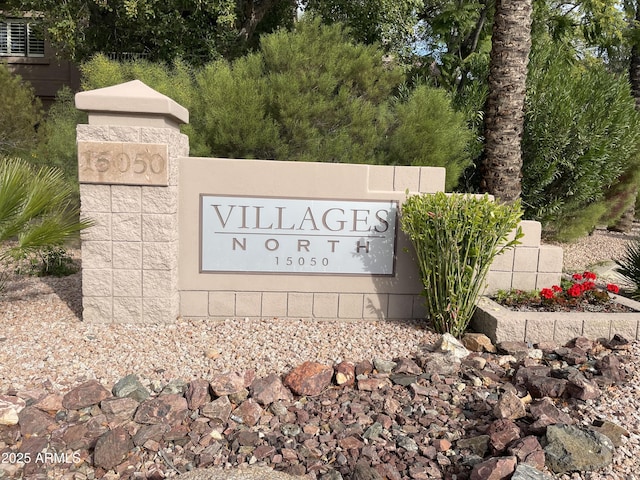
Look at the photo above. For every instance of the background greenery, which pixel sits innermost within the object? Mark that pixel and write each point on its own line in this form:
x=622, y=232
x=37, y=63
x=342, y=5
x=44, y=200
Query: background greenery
x=388, y=82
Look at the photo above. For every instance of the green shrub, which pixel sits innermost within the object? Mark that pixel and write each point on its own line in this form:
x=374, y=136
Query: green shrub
x=581, y=136
x=21, y=114
x=49, y=261
x=431, y=133
x=36, y=208
x=456, y=239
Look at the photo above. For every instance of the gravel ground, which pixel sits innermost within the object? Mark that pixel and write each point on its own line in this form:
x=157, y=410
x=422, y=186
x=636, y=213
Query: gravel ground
x=43, y=339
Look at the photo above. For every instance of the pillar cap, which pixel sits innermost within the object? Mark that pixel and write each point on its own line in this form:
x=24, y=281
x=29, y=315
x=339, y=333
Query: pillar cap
x=134, y=98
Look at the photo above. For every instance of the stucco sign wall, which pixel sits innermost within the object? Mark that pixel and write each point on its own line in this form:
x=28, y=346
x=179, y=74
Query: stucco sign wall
x=296, y=235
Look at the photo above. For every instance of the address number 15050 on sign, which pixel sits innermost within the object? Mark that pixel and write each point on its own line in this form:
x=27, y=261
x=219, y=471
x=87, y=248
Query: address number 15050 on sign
x=123, y=163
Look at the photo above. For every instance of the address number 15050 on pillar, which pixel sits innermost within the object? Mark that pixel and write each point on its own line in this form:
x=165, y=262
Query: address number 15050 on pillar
x=126, y=163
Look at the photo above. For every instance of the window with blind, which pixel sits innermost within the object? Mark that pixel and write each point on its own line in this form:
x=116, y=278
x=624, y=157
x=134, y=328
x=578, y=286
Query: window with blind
x=19, y=38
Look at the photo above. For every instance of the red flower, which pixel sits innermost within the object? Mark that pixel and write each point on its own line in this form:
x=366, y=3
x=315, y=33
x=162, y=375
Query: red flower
x=589, y=275
x=546, y=293
x=587, y=286
x=613, y=288
x=577, y=276
x=575, y=290
x=556, y=288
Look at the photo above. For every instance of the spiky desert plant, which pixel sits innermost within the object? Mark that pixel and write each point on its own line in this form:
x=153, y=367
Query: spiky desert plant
x=629, y=265
x=36, y=208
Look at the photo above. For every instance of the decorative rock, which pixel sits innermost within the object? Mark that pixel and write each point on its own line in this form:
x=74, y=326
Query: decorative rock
x=404, y=379
x=581, y=388
x=383, y=366
x=545, y=413
x=85, y=395
x=111, y=448
x=441, y=363
x=309, y=378
x=450, y=344
x=519, y=350
x=496, y=468
x=174, y=387
x=249, y=412
x=406, y=365
x=478, y=342
x=612, y=430
x=130, y=386
x=610, y=369
x=478, y=445
x=546, y=387
x=526, y=472
x=52, y=403
x=373, y=384
x=10, y=407
x=345, y=373
x=502, y=432
x=150, y=432
x=34, y=421
x=119, y=410
x=269, y=389
x=509, y=406
x=365, y=367
x=197, y=393
x=227, y=384
x=407, y=443
x=218, y=410
x=170, y=409
x=529, y=451
x=570, y=448
x=365, y=472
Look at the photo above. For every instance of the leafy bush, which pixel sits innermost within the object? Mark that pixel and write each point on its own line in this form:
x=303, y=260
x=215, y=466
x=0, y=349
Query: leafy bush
x=456, y=239
x=581, y=136
x=21, y=114
x=431, y=133
x=49, y=261
x=35, y=208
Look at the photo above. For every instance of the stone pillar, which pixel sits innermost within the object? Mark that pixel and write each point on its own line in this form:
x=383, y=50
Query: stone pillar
x=128, y=171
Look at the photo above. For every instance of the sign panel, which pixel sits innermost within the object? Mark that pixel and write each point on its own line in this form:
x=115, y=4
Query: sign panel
x=123, y=163
x=291, y=235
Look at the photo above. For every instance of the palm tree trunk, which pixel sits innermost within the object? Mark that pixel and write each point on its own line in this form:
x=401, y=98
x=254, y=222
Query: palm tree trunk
x=504, y=112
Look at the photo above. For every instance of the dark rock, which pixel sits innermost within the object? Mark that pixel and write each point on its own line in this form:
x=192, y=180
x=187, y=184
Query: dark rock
x=523, y=374
x=529, y=451
x=85, y=395
x=119, y=410
x=150, y=432
x=170, y=409
x=269, y=389
x=364, y=367
x=570, y=448
x=519, y=350
x=406, y=365
x=197, y=393
x=218, y=410
x=309, y=378
x=365, y=472
x=34, y=421
x=111, y=448
x=130, y=386
x=610, y=369
x=545, y=413
x=227, y=384
x=404, y=379
x=546, y=387
x=249, y=412
x=501, y=433
x=579, y=387
x=478, y=444
x=496, y=468
x=509, y=406
x=440, y=363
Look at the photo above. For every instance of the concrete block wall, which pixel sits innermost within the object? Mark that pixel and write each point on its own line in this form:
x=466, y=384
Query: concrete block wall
x=322, y=297
x=529, y=266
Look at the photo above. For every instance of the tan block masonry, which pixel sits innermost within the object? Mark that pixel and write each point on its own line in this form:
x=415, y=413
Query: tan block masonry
x=530, y=265
x=297, y=295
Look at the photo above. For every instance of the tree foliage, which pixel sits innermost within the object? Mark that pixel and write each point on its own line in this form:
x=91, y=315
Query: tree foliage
x=21, y=115
x=195, y=30
x=581, y=135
